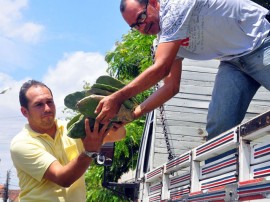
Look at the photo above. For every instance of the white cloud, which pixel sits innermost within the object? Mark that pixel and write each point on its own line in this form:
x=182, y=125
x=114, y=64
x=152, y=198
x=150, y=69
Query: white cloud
x=16, y=35
x=11, y=120
x=9, y=100
x=70, y=73
x=29, y=32
x=12, y=25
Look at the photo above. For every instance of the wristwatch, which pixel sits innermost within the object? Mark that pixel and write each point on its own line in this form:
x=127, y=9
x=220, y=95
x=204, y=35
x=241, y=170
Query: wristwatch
x=92, y=155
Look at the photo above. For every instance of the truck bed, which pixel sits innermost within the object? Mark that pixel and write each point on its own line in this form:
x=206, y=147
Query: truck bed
x=234, y=166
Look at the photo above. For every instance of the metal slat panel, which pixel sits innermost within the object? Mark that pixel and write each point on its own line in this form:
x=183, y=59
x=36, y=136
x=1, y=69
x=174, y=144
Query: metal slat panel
x=219, y=166
x=224, y=179
x=178, y=162
x=260, y=153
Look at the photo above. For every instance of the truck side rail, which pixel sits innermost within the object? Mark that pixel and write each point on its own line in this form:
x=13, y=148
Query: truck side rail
x=234, y=166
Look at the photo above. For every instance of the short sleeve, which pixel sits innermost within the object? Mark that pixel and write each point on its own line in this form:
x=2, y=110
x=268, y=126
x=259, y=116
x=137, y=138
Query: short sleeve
x=32, y=158
x=175, y=16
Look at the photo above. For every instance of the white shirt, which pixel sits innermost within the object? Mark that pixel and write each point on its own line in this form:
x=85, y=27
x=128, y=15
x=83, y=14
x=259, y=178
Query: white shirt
x=213, y=29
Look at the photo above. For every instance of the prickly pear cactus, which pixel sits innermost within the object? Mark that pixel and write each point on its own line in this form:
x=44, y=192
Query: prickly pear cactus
x=85, y=103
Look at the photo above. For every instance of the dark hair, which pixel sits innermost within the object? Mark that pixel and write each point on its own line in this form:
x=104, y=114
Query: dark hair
x=123, y=4
x=24, y=89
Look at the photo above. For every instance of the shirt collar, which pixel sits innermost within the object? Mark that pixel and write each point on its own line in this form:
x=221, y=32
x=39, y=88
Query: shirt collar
x=59, y=130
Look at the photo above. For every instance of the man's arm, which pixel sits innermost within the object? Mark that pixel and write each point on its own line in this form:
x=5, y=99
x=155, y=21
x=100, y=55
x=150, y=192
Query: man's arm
x=167, y=91
x=68, y=174
x=164, y=58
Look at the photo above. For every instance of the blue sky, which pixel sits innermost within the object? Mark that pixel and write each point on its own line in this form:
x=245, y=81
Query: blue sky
x=60, y=27
x=61, y=43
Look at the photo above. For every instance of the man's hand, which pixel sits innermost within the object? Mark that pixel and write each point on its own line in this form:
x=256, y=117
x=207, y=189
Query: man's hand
x=115, y=135
x=107, y=109
x=94, y=139
x=65, y=175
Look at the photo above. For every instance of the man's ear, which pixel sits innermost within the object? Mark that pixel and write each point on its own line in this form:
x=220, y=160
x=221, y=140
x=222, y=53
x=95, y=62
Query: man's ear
x=154, y=3
x=24, y=111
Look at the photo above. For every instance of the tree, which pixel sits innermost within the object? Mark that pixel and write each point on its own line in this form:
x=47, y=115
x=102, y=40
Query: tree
x=131, y=56
x=125, y=158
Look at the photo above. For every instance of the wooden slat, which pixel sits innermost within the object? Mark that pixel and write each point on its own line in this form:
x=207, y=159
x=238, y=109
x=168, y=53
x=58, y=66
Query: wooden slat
x=196, y=83
x=198, y=118
x=194, y=89
x=192, y=68
x=184, y=109
x=198, y=76
x=160, y=144
x=189, y=103
x=183, y=131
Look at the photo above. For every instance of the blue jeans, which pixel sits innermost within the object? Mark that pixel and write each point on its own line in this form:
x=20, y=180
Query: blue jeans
x=236, y=83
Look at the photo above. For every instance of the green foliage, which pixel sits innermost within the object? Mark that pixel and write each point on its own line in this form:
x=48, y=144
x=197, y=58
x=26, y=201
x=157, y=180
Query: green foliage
x=125, y=158
x=130, y=57
x=95, y=191
x=126, y=151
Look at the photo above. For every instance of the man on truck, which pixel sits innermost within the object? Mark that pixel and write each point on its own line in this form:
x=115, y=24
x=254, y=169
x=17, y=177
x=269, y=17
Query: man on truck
x=236, y=32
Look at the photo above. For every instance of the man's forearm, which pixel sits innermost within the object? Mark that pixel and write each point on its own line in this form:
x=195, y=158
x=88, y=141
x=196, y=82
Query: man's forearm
x=164, y=60
x=144, y=81
x=155, y=100
x=167, y=91
x=68, y=174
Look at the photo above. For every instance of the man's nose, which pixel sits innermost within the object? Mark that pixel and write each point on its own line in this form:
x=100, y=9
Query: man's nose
x=47, y=107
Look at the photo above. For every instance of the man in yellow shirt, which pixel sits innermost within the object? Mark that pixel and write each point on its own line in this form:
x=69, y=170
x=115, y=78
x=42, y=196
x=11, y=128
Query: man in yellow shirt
x=49, y=164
